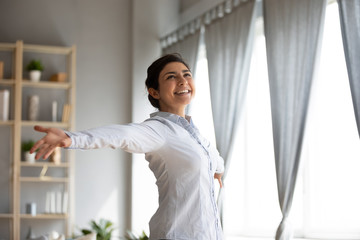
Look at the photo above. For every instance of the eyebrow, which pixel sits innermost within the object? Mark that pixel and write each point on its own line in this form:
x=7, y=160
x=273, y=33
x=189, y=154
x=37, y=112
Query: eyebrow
x=183, y=71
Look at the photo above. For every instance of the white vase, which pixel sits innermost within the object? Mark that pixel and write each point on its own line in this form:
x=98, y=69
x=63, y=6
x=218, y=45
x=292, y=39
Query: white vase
x=33, y=110
x=29, y=157
x=4, y=104
x=35, y=75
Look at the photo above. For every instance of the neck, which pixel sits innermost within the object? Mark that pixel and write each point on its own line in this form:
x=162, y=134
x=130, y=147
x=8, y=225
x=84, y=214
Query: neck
x=179, y=112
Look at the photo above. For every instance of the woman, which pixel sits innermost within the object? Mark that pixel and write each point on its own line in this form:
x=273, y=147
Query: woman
x=183, y=162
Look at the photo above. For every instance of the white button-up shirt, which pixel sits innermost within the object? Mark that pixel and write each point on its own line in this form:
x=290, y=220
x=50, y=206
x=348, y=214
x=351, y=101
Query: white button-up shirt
x=184, y=164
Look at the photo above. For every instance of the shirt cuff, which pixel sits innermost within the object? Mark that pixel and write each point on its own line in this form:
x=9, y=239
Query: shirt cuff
x=220, y=168
x=70, y=134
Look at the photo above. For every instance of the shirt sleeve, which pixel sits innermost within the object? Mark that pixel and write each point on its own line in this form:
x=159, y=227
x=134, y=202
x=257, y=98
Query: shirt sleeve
x=135, y=137
x=220, y=168
x=219, y=161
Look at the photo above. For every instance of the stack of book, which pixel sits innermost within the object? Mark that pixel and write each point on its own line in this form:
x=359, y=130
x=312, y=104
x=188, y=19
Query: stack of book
x=56, y=202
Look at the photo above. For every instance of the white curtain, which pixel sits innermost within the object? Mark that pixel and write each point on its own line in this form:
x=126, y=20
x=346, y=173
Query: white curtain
x=350, y=28
x=293, y=30
x=229, y=43
x=187, y=48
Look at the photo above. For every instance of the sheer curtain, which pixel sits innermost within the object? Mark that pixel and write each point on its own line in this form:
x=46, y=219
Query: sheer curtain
x=292, y=30
x=350, y=27
x=228, y=47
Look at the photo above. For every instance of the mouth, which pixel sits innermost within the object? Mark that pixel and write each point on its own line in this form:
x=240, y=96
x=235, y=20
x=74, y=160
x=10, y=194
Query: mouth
x=183, y=92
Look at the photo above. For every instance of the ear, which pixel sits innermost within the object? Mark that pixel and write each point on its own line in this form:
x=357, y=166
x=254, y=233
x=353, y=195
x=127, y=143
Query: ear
x=154, y=93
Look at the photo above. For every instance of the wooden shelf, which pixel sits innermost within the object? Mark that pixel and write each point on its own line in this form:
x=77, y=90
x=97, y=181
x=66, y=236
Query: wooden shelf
x=7, y=46
x=6, y=123
x=44, y=164
x=46, y=84
x=47, y=49
x=7, y=81
x=6, y=215
x=44, y=216
x=44, y=179
x=45, y=124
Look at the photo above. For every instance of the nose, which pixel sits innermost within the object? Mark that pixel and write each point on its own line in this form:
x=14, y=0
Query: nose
x=182, y=81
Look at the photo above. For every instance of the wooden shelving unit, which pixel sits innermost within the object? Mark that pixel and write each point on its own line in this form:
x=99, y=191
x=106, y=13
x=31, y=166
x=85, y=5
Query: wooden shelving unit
x=17, y=125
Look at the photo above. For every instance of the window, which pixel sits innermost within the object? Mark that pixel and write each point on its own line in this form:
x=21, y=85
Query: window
x=326, y=200
x=331, y=163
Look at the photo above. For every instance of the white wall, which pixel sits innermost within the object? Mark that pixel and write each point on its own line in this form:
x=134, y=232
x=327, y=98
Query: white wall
x=116, y=41
x=101, y=30
x=151, y=20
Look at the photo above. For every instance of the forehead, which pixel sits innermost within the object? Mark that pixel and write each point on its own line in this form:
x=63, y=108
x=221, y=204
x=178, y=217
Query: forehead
x=173, y=67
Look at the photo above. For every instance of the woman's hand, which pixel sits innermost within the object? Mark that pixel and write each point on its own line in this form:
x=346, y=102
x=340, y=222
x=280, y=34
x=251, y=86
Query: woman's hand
x=218, y=177
x=54, y=137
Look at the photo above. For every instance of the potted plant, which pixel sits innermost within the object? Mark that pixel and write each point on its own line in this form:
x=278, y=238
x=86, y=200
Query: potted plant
x=26, y=147
x=103, y=229
x=35, y=69
x=131, y=236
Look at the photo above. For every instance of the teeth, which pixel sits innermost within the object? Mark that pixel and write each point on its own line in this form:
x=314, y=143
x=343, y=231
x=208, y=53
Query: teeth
x=183, y=91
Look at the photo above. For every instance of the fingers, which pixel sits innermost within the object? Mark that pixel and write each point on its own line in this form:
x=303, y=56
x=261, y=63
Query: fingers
x=49, y=151
x=40, y=142
x=220, y=181
x=45, y=151
x=41, y=151
x=41, y=129
x=37, y=145
x=218, y=177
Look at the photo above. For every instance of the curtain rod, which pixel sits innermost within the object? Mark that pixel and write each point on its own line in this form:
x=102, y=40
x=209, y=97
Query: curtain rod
x=194, y=25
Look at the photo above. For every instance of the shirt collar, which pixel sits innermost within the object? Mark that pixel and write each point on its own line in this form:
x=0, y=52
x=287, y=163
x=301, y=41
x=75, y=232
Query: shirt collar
x=174, y=118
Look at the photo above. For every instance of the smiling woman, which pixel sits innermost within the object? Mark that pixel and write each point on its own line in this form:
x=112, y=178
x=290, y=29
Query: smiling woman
x=182, y=160
x=176, y=88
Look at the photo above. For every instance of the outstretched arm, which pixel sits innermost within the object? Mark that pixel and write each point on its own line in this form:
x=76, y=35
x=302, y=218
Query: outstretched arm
x=134, y=138
x=54, y=137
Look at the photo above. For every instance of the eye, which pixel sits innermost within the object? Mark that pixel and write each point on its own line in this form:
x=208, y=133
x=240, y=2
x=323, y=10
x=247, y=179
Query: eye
x=187, y=75
x=170, y=77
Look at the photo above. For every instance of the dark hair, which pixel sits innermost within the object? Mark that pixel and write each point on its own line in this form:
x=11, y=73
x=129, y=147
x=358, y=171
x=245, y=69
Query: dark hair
x=153, y=72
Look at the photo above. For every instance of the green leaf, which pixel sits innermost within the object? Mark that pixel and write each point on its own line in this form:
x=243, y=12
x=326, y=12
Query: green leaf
x=108, y=224
x=144, y=236
x=27, y=145
x=86, y=231
x=102, y=228
x=35, y=65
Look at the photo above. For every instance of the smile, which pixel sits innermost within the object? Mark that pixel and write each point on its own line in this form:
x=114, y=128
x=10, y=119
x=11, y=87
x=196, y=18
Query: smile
x=183, y=92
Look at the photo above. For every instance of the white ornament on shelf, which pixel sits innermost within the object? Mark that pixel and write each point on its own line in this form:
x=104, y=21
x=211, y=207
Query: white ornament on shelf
x=33, y=110
x=4, y=104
